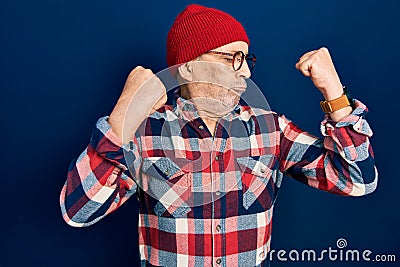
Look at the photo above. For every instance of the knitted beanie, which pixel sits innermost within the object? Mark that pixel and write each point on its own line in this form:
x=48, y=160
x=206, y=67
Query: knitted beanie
x=198, y=29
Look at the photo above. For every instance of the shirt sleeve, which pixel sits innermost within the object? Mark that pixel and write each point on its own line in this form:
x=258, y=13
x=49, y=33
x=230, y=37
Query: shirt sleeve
x=342, y=162
x=100, y=179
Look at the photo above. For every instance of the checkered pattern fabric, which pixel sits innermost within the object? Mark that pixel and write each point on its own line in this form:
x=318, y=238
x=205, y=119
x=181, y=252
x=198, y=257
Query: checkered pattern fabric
x=207, y=200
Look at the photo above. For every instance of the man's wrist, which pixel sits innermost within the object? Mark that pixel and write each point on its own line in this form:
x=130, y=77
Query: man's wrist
x=114, y=126
x=333, y=93
x=341, y=113
x=340, y=107
x=340, y=102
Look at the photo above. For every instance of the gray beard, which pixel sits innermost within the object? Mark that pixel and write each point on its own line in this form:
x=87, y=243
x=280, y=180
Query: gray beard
x=213, y=108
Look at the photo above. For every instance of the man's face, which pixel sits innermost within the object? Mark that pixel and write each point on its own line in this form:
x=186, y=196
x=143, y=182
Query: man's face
x=215, y=86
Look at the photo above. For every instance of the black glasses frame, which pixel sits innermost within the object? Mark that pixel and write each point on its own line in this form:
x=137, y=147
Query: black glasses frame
x=238, y=56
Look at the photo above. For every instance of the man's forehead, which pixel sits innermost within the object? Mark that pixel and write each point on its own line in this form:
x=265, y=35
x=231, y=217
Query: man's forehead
x=234, y=47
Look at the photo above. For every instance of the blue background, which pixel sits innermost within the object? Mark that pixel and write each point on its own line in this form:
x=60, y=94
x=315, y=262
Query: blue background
x=63, y=65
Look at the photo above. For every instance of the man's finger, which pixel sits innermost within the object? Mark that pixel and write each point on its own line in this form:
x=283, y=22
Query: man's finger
x=305, y=67
x=305, y=57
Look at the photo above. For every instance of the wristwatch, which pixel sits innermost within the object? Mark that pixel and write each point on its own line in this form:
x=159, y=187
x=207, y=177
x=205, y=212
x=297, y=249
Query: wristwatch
x=329, y=106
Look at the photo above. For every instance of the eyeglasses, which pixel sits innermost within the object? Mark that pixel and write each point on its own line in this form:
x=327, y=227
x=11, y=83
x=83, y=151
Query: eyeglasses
x=237, y=59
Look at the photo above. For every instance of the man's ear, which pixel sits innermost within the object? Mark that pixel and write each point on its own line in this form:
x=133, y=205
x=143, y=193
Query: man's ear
x=185, y=71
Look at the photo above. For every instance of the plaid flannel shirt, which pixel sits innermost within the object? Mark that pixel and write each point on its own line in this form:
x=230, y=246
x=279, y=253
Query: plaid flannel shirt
x=208, y=200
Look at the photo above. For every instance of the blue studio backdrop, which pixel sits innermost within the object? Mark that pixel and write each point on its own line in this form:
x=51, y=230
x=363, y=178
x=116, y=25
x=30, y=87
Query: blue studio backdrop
x=64, y=63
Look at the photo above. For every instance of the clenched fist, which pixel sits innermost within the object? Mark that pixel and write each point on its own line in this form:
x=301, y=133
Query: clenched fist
x=318, y=65
x=142, y=95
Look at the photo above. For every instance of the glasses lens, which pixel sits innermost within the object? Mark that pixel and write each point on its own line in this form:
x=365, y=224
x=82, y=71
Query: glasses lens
x=238, y=58
x=251, y=61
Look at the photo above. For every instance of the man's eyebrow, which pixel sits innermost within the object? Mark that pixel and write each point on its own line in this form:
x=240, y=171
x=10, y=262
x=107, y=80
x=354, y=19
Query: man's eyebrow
x=221, y=53
x=234, y=51
x=230, y=52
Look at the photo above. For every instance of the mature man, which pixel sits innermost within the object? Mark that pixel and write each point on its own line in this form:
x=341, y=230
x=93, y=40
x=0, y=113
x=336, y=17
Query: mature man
x=207, y=169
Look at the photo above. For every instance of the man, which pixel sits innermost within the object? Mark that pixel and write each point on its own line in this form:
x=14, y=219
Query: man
x=207, y=169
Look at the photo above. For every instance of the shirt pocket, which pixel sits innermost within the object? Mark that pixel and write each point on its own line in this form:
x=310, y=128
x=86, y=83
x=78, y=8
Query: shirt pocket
x=168, y=185
x=258, y=183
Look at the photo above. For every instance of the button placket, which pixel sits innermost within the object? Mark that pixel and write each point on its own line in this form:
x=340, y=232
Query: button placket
x=217, y=224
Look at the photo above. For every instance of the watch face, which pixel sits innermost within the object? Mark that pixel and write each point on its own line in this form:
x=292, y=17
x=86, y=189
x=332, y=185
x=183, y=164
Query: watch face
x=346, y=92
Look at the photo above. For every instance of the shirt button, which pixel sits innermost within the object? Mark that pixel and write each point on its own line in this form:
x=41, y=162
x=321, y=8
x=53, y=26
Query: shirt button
x=218, y=228
x=201, y=127
x=131, y=145
x=218, y=193
x=218, y=261
x=262, y=170
x=216, y=158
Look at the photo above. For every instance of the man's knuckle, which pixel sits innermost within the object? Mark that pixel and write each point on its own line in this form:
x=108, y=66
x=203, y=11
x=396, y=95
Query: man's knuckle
x=324, y=50
x=135, y=70
x=138, y=69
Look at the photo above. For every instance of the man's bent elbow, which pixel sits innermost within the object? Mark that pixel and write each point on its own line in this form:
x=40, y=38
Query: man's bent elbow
x=362, y=189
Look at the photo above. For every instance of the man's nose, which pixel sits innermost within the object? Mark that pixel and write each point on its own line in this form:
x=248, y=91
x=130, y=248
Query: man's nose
x=244, y=71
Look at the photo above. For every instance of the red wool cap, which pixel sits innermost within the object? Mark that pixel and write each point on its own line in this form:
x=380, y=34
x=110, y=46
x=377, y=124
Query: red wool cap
x=198, y=29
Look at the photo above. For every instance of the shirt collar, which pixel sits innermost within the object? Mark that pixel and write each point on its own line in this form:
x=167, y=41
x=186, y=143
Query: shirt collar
x=186, y=110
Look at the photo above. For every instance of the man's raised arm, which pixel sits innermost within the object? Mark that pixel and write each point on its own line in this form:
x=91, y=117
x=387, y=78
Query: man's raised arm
x=99, y=181
x=342, y=162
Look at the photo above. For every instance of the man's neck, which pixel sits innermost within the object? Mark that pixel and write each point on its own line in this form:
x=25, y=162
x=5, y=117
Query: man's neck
x=210, y=123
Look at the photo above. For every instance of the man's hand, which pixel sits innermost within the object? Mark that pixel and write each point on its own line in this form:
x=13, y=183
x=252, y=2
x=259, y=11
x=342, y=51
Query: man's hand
x=142, y=95
x=318, y=65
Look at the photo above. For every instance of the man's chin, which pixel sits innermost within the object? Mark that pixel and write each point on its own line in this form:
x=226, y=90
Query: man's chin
x=237, y=91
x=212, y=114
x=215, y=110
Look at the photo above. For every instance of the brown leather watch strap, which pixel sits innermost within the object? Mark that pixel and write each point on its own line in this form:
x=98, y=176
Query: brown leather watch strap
x=335, y=104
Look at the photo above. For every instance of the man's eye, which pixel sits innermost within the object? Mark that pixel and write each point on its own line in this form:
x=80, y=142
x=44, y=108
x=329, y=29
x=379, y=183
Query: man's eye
x=228, y=59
